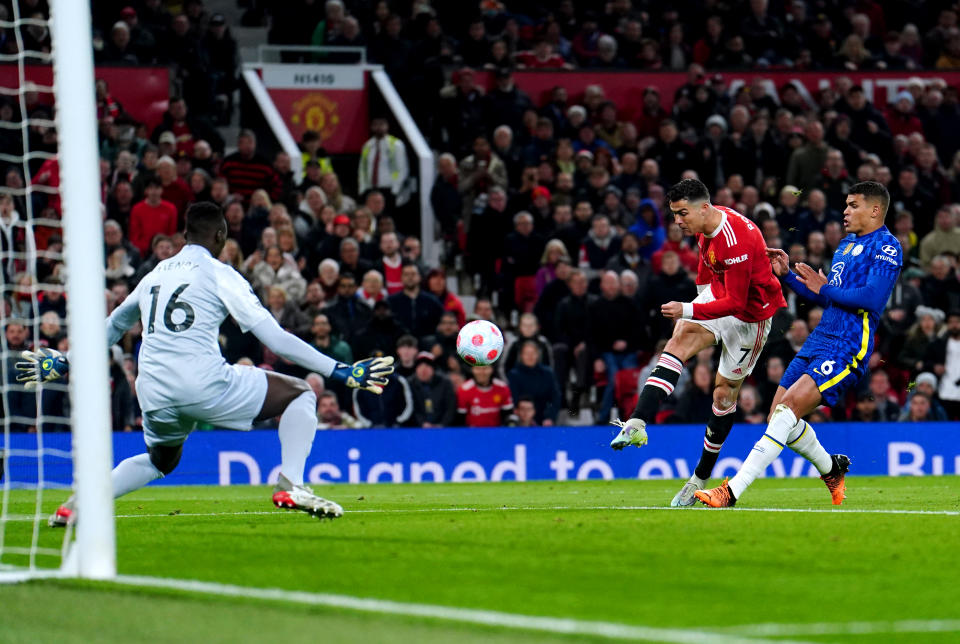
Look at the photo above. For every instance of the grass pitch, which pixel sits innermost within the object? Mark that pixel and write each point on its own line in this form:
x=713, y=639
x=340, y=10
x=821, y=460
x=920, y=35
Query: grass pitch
x=564, y=550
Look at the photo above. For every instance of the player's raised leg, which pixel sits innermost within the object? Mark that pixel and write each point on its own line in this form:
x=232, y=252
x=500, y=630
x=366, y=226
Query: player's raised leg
x=784, y=427
x=296, y=404
x=688, y=339
x=725, y=394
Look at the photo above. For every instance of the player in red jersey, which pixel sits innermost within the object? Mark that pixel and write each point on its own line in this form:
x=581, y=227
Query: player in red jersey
x=738, y=295
x=483, y=401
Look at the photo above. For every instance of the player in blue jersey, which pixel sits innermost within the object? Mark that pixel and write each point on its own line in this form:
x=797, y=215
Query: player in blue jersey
x=833, y=359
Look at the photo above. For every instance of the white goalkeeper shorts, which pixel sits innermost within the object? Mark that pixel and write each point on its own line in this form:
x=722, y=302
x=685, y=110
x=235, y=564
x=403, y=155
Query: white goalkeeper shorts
x=742, y=342
x=234, y=404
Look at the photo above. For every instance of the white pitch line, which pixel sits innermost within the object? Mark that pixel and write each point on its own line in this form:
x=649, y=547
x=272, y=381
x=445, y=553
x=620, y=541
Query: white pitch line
x=618, y=508
x=563, y=626
x=546, y=508
x=845, y=628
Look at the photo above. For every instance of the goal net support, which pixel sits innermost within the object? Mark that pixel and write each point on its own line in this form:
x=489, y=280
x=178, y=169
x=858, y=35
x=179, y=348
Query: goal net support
x=28, y=548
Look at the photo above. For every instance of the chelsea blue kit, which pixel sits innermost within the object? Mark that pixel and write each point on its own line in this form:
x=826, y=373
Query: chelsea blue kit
x=864, y=272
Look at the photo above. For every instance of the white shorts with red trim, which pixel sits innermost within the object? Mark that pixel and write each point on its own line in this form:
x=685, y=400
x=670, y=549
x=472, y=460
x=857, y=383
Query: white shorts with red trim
x=742, y=341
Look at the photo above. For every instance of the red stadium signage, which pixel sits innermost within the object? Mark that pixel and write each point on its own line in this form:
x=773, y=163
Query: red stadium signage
x=330, y=99
x=144, y=92
x=626, y=88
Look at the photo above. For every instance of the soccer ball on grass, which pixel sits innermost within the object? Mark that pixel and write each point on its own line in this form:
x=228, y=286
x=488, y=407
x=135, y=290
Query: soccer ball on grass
x=479, y=343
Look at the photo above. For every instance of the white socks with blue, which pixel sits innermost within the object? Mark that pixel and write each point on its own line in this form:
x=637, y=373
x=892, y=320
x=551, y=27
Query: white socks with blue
x=784, y=429
x=803, y=440
x=133, y=473
x=766, y=450
x=298, y=424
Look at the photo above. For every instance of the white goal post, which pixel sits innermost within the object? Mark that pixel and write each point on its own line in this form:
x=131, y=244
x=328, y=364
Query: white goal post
x=74, y=87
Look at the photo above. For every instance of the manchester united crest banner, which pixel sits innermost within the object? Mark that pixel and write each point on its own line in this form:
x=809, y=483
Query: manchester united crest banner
x=330, y=99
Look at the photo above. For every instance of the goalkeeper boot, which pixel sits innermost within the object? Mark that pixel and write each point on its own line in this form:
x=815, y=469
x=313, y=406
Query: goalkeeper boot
x=288, y=496
x=718, y=497
x=65, y=515
x=835, y=479
x=685, y=497
x=632, y=432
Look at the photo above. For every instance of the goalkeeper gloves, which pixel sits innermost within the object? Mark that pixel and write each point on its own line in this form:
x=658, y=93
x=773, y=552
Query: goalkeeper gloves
x=41, y=366
x=370, y=374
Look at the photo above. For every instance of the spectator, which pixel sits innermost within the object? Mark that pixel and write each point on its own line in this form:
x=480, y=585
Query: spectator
x=523, y=248
x=246, y=171
x=694, y=406
x=437, y=286
x=383, y=163
x=175, y=191
x=886, y=400
x=277, y=269
x=866, y=410
x=162, y=248
x=531, y=378
x=676, y=244
x=372, y=290
x=806, y=162
x=921, y=335
x=151, y=217
x=869, y=129
x=330, y=416
x=926, y=385
x=445, y=195
x=945, y=238
x=347, y=312
x=670, y=284
x=333, y=194
x=940, y=287
x=286, y=312
x=434, y=401
x=407, y=351
x=749, y=407
x=391, y=262
x=525, y=412
x=324, y=342
x=614, y=335
x=480, y=173
x=483, y=401
x=415, y=310
x=570, y=350
x=527, y=330
x=186, y=128
x=600, y=246
x=392, y=408
x=113, y=238
x=506, y=103
x=649, y=229
x=350, y=260
x=943, y=359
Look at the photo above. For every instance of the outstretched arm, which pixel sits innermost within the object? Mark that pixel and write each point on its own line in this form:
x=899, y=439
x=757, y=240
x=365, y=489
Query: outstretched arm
x=801, y=289
x=780, y=263
x=737, y=285
x=370, y=374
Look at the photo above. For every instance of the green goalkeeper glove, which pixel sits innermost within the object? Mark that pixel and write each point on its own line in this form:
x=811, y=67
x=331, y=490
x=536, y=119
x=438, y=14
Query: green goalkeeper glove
x=41, y=366
x=370, y=375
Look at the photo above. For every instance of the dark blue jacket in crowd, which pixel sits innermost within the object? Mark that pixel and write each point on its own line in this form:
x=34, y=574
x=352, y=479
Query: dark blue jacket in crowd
x=392, y=408
x=540, y=383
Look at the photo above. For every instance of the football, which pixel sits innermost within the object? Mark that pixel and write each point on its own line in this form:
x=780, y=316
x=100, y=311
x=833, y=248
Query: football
x=479, y=343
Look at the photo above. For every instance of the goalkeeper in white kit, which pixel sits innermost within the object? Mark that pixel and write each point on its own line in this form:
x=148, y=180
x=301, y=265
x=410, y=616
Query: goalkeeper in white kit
x=184, y=379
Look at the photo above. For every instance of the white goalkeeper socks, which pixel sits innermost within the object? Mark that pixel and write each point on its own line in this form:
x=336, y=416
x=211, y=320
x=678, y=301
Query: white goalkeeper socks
x=766, y=450
x=298, y=424
x=803, y=440
x=133, y=473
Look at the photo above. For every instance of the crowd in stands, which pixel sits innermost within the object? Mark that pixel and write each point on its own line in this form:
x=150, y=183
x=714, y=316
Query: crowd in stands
x=552, y=216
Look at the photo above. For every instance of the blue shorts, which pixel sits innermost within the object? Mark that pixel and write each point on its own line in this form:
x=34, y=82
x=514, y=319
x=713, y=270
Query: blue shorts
x=835, y=371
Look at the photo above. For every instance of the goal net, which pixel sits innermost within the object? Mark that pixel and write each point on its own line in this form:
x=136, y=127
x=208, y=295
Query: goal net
x=55, y=438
